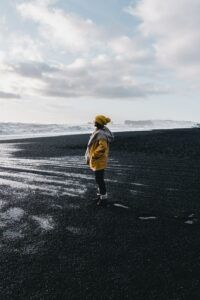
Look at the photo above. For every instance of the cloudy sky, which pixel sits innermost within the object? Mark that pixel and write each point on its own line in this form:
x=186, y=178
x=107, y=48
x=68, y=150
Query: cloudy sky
x=64, y=61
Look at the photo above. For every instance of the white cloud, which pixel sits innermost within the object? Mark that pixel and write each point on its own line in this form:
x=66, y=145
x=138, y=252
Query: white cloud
x=133, y=49
x=60, y=29
x=18, y=46
x=102, y=66
x=33, y=69
x=50, y=56
x=174, y=28
x=6, y=95
x=2, y=57
x=25, y=48
x=101, y=77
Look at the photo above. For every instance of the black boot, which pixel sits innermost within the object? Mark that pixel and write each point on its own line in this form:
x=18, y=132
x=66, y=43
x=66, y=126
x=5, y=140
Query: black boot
x=97, y=198
x=103, y=200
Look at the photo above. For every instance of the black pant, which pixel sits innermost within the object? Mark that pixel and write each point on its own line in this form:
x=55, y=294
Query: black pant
x=99, y=177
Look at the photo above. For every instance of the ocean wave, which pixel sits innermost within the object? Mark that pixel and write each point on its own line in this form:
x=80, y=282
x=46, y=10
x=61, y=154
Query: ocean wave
x=28, y=130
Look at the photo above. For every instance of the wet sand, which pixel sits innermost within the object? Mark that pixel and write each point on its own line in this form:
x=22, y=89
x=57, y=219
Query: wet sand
x=56, y=244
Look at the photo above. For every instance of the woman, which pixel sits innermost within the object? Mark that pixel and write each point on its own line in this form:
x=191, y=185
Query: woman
x=97, y=154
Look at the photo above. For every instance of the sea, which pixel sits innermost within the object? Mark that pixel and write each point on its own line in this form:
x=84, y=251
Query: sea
x=13, y=130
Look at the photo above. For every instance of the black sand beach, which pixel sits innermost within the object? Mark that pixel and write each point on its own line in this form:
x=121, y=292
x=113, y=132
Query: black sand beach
x=55, y=242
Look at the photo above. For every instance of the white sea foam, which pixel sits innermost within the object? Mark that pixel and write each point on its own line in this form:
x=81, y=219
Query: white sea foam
x=28, y=130
x=33, y=248
x=48, y=176
x=13, y=214
x=27, y=183
x=2, y=204
x=120, y=205
x=2, y=224
x=73, y=206
x=76, y=230
x=45, y=223
x=112, y=180
x=137, y=184
x=190, y=222
x=172, y=189
x=12, y=235
x=191, y=216
x=56, y=206
x=135, y=192
x=42, y=174
x=30, y=177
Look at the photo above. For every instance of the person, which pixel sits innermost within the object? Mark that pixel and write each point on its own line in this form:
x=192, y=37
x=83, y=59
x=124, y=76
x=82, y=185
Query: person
x=97, y=155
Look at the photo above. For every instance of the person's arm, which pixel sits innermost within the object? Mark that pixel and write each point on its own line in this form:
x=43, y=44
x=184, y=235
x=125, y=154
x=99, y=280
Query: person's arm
x=101, y=148
x=87, y=158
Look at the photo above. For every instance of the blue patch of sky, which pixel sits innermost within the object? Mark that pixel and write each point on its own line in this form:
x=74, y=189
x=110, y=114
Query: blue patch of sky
x=14, y=22
x=109, y=14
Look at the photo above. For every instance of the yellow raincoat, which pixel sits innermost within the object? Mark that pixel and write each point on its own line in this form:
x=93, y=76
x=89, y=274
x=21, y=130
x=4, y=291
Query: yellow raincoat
x=98, y=155
x=98, y=149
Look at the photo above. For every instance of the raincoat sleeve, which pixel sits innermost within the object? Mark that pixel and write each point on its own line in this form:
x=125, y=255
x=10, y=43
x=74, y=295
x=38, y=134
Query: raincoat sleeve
x=87, y=158
x=101, y=148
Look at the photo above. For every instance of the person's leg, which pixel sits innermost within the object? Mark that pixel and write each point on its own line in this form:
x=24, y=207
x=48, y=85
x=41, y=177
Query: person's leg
x=99, y=177
x=96, y=173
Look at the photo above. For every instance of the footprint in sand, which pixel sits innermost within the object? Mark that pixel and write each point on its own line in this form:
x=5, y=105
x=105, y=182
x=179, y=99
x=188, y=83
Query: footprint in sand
x=148, y=218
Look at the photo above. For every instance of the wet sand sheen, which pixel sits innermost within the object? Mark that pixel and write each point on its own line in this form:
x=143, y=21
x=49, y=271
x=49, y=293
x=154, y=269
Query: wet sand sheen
x=56, y=244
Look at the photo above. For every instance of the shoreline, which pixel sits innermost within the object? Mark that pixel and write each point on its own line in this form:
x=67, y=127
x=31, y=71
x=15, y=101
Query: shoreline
x=42, y=137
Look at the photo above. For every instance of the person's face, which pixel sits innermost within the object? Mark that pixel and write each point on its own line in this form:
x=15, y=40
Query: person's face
x=97, y=125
